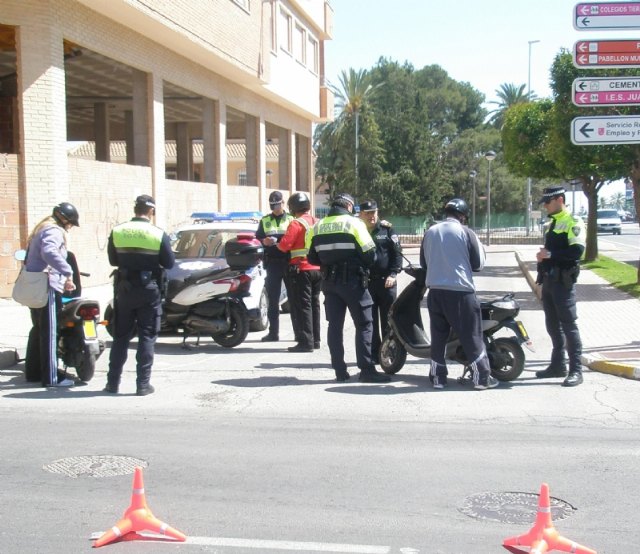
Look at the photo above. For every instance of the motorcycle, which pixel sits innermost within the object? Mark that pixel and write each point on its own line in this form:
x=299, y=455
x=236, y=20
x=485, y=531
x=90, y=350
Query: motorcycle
x=207, y=298
x=77, y=329
x=406, y=333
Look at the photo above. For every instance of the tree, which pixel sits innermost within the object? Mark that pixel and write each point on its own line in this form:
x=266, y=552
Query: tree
x=349, y=148
x=509, y=95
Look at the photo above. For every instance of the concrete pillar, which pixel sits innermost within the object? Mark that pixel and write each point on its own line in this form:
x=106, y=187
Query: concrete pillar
x=44, y=179
x=142, y=110
x=303, y=157
x=128, y=136
x=284, y=154
x=209, y=140
x=101, y=131
x=157, y=147
x=220, y=152
x=184, y=152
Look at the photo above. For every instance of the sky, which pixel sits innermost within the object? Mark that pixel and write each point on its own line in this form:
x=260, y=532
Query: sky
x=482, y=42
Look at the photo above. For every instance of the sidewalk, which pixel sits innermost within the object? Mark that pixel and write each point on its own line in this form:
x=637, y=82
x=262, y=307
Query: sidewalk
x=607, y=317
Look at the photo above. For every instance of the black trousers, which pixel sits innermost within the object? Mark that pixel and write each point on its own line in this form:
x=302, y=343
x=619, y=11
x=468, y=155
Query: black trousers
x=276, y=274
x=305, y=314
x=137, y=309
x=560, y=316
x=41, y=363
x=458, y=311
x=338, y=297
x=382, y=299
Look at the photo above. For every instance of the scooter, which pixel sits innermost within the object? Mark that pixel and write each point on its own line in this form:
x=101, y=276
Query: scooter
x=78, y=344
x=209, y=300
x=407, y=335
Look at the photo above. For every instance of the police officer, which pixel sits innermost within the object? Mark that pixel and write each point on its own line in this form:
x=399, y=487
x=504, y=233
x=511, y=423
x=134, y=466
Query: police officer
x=141, y=251
x=558, y=268
x=382, y=278
x=342, y=246
x=270, y=231
x=450, y=253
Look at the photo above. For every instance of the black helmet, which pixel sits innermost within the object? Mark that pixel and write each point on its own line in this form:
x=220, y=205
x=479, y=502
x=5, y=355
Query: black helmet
x=66, y=213
x=299, y=202
x=457, y=205
x=343, y=199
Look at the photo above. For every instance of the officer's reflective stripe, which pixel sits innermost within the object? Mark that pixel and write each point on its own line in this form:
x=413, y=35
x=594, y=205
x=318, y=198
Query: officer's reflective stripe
x=127, y=250
x=270, y=226
x=336, y=246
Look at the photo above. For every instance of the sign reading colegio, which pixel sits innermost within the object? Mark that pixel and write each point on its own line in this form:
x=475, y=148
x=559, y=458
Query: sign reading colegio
x=606, y=15
x=606, y=91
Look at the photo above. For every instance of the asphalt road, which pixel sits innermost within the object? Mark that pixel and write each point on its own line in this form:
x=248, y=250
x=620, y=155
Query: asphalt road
x=624, y=247
x=259, y=450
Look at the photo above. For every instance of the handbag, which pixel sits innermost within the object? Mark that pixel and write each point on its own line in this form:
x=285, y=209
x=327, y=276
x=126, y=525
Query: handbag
x=31, y=288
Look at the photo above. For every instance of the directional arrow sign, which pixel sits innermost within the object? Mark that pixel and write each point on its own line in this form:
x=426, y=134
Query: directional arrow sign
x=608, y=91
x=623, y=129
x=606, y=53
x=607, y=15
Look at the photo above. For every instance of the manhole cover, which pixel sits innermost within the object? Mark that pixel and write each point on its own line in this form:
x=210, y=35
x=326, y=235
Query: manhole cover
x=512, y=507
x=94, y=466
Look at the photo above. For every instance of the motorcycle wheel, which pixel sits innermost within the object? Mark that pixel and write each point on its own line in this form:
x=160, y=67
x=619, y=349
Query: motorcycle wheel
x=108, y=316
x=507, y=349
x=263, y=306
x=86, y=366
x=238, y=329
x=392, y=355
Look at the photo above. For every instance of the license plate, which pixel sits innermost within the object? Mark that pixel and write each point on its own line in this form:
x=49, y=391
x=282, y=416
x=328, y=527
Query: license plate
x=90, y=331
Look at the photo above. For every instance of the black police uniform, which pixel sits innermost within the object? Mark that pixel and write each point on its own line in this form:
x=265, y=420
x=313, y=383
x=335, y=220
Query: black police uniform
x=342, y=246
x=141, y=251
x=388, y=264
x=275, y=264
x=558, y=275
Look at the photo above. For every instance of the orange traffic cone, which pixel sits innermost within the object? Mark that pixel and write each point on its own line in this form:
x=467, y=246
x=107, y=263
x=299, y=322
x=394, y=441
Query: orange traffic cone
x=138, y=517
x=543, y=537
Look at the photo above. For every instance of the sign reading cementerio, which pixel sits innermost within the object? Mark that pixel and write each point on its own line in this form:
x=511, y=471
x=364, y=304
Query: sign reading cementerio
x=606, y=91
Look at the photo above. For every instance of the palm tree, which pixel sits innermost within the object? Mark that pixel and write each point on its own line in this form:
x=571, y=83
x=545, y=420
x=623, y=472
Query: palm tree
x=509, y=95
x=352, y=95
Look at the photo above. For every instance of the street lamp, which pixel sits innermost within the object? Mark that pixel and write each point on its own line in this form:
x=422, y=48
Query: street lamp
x=489, y=156
x=473, y=176
x=528, y=200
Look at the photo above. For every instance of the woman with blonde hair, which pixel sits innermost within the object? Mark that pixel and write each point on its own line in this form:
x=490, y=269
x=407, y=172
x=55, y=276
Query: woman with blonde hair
x=47, y=251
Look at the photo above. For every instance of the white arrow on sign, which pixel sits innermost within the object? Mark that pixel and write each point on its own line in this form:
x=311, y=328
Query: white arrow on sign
x=606, y=15
x=623, y=129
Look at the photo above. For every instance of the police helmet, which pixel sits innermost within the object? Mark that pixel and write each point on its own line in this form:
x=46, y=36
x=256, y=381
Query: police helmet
x=343, y=199
x=299, y=202
x=66, y=213
x=457, y=205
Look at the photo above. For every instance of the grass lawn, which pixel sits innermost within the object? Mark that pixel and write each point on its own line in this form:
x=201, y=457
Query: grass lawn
x=620, y=275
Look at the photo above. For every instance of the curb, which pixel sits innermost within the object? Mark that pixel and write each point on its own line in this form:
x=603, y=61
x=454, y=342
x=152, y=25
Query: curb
x=593, y=362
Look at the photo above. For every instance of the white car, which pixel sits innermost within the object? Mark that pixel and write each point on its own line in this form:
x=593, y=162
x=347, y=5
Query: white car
x=202, y=242
x=608, y=221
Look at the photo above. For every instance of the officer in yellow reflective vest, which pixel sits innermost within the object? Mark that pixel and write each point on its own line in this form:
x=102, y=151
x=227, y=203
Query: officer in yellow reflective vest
x=271, y=229
x=141, y=251
x=342, y=246
x=558, y=269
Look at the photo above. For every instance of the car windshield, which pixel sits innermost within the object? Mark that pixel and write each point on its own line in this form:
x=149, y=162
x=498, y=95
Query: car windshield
x=603, y=214
x=203, y=243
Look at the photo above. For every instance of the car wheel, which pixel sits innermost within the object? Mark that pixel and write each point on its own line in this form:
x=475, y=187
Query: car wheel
x=262, y=322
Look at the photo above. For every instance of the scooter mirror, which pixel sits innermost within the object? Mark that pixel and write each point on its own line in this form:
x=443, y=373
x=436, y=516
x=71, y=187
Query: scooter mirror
x=20, y=255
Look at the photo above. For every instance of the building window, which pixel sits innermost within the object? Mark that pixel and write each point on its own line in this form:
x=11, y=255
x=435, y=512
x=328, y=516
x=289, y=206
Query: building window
x=300, y=44
x=242, y=178
x=312, y=55
x=285, y=31
x=244, y=4
x=273, y=25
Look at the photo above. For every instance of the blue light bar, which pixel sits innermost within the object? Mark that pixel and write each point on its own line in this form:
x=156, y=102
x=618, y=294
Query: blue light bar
x=210, y=216
x=245, y=215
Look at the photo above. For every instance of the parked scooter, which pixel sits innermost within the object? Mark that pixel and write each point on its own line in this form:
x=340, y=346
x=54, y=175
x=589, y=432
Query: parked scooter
x=209, y=300
x=78, y=344
x=406, y=333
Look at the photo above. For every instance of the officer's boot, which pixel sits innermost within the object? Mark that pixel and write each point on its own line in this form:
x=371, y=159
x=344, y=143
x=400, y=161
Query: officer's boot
x=553, y=371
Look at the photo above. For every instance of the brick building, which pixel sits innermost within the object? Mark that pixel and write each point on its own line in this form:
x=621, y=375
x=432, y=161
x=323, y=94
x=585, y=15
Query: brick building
x=147, y=73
